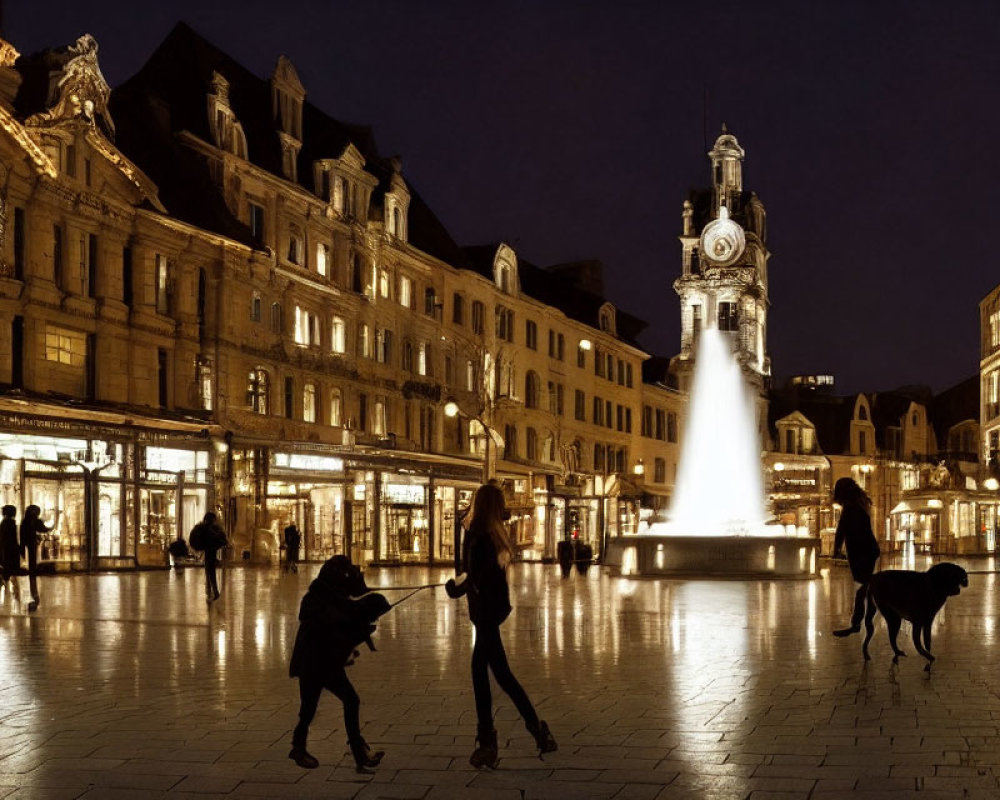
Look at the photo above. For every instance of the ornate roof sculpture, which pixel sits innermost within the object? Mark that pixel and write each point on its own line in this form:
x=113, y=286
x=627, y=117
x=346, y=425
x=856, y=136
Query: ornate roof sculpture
x=79, y=90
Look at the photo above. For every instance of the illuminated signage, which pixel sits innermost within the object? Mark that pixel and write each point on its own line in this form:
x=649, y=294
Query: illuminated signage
x=308, y=462
x=404, y=493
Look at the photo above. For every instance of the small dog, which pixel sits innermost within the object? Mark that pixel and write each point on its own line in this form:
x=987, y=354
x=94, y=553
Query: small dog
x=914, y=596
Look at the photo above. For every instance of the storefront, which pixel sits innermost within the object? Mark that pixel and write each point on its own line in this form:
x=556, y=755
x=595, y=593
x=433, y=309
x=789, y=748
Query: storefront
x=315, y=493
x=113, y=496
x=945, y=523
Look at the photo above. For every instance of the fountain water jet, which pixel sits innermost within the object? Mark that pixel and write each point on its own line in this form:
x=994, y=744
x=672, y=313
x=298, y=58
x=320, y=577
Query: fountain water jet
x=716, y=525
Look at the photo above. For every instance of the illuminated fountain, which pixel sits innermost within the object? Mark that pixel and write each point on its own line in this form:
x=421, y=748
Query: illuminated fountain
x=716, y=525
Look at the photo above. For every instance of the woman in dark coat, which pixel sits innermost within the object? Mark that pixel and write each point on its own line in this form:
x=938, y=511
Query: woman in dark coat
x=486, y=552
x=855, y=531
x=337, y=614
x=31, y=526
x=10, y=551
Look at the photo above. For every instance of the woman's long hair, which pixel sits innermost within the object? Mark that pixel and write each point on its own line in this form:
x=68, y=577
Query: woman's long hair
x=488, y=509
x=846, y=492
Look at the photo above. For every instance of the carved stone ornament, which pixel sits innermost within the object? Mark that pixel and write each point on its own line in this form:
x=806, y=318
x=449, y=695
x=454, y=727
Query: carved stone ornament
x=722, y=240
x=8, y=53
x=81, y=92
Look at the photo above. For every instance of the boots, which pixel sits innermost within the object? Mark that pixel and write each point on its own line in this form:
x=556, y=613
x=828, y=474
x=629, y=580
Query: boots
x=365, y=759
x=544, y=739
x=485, y=754
x=303, y=758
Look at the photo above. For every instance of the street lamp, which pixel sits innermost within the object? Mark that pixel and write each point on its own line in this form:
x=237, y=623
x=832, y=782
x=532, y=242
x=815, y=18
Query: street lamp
x=452, y=410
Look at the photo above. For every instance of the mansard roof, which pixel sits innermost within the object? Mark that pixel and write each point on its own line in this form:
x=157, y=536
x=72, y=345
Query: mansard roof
x=568, y=287
x=831, y=415
x=956, y=404
x=168, y=96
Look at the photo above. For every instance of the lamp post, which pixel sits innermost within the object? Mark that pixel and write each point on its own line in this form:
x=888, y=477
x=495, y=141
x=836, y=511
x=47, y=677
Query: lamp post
x=452, y=410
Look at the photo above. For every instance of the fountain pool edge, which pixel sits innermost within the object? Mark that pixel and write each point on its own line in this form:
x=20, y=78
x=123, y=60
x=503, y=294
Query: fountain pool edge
x=714, y=556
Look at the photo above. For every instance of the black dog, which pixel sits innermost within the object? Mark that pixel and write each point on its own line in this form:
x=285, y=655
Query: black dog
x=914, y=596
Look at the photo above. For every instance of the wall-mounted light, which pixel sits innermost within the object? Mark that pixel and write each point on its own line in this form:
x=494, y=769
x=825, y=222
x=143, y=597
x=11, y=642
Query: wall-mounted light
x=992, y=484
x=585, y=344
x=451, y=409
x=779, y=467
x=639, y=468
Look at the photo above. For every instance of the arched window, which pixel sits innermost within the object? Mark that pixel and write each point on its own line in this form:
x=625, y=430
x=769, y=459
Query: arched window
x=862, y=412
x=397, y=222
x=531, y=389
x=258, y=390
x=531, y=444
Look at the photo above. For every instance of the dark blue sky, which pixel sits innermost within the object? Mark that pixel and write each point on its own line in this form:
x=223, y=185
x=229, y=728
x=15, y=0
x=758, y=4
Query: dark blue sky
x=574, y=130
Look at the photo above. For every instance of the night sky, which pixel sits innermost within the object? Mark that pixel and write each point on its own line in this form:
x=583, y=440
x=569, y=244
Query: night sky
x=571, y=130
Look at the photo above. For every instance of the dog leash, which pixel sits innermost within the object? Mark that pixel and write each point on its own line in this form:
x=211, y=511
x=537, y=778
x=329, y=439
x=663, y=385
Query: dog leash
x=414, y=590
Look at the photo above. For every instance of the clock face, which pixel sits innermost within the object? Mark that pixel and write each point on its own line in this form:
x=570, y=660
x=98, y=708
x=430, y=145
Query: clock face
x=722, y=241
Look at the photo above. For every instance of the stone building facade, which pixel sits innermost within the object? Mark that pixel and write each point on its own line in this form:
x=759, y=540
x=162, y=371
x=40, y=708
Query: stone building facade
x=220, y=298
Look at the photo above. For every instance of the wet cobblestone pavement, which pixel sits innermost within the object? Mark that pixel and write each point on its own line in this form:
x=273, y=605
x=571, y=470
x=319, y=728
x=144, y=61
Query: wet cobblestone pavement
x=131, y=686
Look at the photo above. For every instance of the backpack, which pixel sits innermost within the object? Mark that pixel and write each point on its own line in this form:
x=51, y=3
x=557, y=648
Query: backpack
x=197, y=537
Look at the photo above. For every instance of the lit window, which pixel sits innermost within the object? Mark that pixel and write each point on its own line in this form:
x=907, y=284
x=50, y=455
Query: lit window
x=338, y=335
x=364, y=341
x=323, y=259
x=306, y=327
x=378, y=420
x=257, y=391
x=162, y=284
x=422, y=359
x=383, y=282
x=336, y=408
x=309, y=402
x=65, y=346
x=405, y=291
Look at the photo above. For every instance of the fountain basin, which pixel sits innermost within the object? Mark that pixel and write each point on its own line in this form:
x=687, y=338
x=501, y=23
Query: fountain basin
x=714, y=556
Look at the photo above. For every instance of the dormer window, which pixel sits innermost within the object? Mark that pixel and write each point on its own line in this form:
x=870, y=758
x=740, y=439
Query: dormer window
x=227, y=133
x=505, y=270
x=341, y=195
x=606, y=319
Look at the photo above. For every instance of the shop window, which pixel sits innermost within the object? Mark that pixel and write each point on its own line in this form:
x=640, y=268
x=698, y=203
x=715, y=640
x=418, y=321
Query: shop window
x=258, y=390
x=309, y=402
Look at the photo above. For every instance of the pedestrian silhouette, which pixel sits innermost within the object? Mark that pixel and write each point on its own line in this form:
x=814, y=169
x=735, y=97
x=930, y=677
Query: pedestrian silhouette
x=31, y=526
x=292, y=541
x=336, y=615
x=178, y=550
x=486, y=552
x=209, y=537
x=10, y=552
x=854, y=530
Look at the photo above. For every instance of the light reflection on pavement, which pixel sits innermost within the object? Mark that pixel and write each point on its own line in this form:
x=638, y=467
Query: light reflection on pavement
x=130, y=685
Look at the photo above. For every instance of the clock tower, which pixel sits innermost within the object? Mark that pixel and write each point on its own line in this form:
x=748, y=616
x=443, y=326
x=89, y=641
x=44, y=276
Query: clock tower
x=723, y=281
